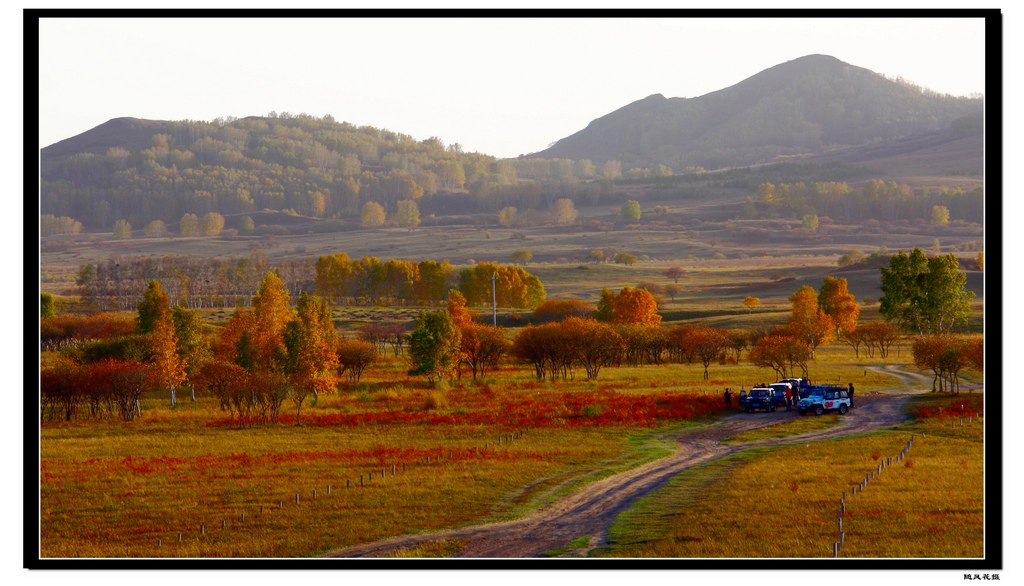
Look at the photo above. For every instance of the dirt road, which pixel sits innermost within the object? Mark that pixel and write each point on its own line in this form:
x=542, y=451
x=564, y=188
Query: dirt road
x=590, y=510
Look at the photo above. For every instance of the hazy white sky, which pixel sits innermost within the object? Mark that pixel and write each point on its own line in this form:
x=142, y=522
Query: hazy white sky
x=504, y=86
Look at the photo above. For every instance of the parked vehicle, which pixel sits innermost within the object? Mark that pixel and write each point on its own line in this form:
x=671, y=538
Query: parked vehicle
x=800, y=385
x=821, y=399
x=760, y=399
x=779, y=393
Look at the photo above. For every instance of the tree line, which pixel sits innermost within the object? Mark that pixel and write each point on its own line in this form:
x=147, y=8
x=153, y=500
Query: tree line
x=194, y=282
x=887, y=201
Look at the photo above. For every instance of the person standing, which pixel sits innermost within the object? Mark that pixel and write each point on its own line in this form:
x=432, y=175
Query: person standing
x=743, y=397
x=851, y=395
x=728, y=399
x=789, y=398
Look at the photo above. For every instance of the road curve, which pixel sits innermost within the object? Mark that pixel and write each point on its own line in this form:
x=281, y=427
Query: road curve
x=590, y=510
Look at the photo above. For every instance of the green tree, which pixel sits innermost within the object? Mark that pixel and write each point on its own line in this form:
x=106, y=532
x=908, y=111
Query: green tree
x=122, y=230
x=522, y=256
x=47, y=307
x=810, y=221
x=408, y=214
x=372, y=215
x=152, y=309
x=435, y=346
x=981, y=260
x=192, y=347
x=630, y=210
x=924, y=295
x=246, y=226
x=624, y=258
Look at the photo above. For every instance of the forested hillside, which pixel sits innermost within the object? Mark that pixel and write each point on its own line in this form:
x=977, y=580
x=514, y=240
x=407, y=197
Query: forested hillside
x=140, y=171
x=807, y=105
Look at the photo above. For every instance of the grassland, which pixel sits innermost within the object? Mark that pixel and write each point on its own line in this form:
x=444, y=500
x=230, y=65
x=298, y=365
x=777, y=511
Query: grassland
x=113, y=489
x=783, y=501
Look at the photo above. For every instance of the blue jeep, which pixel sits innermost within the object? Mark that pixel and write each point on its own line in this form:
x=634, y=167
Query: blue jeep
x=760, y=399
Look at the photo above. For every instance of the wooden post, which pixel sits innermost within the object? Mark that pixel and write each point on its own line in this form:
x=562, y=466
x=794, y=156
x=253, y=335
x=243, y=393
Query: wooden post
x=223, y=523
x=159, y=543
x=179, y=536
x=835, y=549
x=393, y=469
x=328, y=490
x=202, y=529
x=243, y=516
x=296, y=498
x=314, y=493
x=261, y=509
x=280, y=504
x=347, y=483
x=360, y=480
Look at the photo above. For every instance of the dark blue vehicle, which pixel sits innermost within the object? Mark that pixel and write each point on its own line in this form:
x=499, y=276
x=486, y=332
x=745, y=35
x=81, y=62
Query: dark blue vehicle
x=761, y=399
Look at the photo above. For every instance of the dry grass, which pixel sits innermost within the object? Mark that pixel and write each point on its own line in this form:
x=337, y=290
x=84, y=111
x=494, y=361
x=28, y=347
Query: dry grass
x=783, y=502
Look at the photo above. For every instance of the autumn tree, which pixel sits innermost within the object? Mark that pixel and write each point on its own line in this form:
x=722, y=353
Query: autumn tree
x=810, y=221
x=168, y=364
x=311, y=343
x=630, y=210
x=675, y=273
x=559, y=309
x=836, y=301
x=751, y=303
x=672, y=290
x=981, y=260
x=563, y=212
x=595, y=344
x=507, y=216
x=155, y=229
x=189, y=225
x=212, y=224
x=940, y=215
x=354, y=356
x=372, y=215
x=808, y=321
x=632, y=306
x=707, y=344
x=781, y=353
x=482, y=347
x=612, y=170
x=230, y=384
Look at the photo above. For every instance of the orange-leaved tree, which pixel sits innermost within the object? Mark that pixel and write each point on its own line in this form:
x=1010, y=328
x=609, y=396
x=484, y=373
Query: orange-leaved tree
x=808, y=322
x=311, y=342
x=836, y=301
x=629, y=306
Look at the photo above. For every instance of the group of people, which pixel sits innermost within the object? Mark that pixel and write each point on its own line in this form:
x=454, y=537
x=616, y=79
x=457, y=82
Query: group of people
x=792, y=396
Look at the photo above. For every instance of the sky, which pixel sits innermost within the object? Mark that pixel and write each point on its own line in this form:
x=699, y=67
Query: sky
x=500, y=86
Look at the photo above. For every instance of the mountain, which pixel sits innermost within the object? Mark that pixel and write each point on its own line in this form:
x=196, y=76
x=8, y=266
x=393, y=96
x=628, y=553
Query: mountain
x=804, y=106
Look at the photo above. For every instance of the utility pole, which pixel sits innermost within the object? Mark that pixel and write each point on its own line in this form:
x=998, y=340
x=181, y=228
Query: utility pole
x=494, y=297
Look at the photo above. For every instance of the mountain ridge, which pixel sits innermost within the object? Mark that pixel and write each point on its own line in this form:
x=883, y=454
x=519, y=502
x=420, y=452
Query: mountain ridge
x=801, y=106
